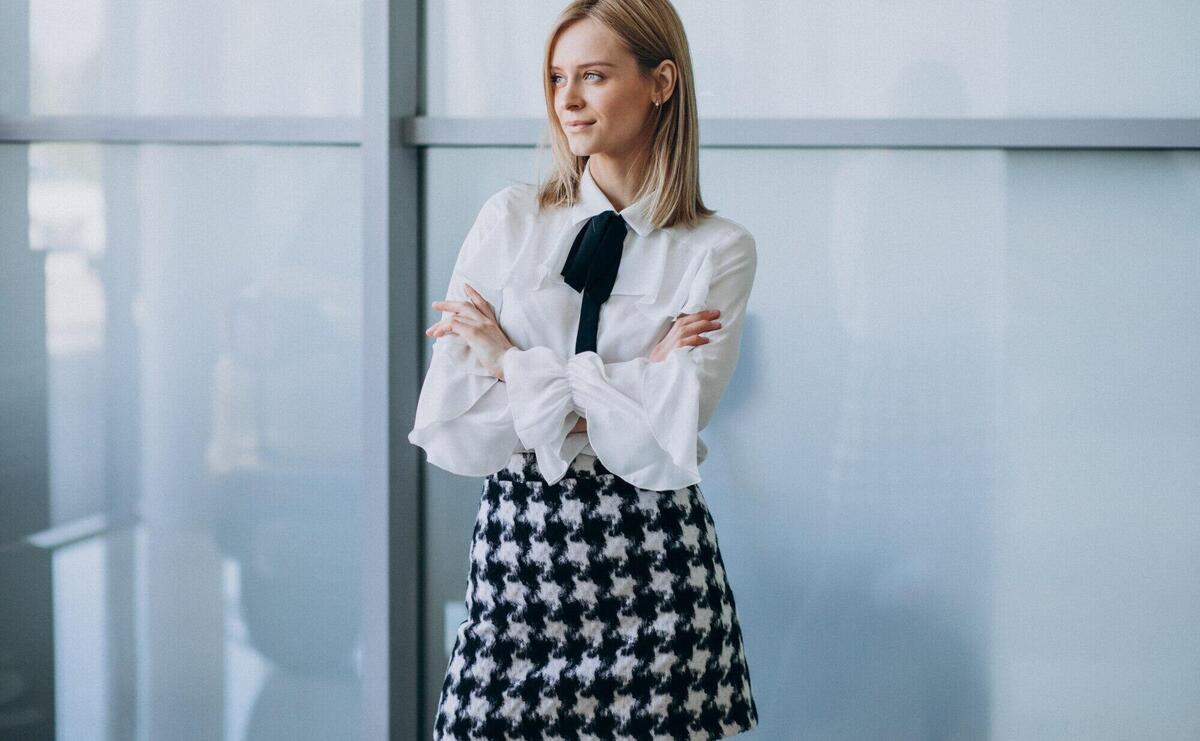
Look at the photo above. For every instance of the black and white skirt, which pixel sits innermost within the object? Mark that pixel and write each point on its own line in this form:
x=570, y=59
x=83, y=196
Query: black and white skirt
x=596, y=610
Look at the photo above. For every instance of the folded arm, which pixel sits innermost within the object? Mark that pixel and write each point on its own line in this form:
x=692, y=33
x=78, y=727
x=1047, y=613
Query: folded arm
x=643, y=417
x=463, y=420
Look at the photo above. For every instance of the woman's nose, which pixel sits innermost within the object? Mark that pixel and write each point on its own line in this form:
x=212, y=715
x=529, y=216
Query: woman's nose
x=571, y=94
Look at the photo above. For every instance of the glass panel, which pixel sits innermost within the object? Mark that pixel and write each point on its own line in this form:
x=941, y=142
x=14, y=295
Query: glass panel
x=954, y=474
x=200, y=316
x=1097, y=536
x=913, y=58
x=269, y=57
x=980, y=370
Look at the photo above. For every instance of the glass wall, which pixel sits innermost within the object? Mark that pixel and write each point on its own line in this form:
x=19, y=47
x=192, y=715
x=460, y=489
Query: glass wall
x=203, y=353
x=978, y=368
x=182, y=357
x=954, y=475
x=834, y=58
x=266, y=58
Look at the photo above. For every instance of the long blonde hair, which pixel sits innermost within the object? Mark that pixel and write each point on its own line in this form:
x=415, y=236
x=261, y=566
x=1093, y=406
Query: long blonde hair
x=651, y=31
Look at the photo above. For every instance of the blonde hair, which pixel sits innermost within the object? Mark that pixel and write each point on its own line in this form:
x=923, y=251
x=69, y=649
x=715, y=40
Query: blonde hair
x=651, y=31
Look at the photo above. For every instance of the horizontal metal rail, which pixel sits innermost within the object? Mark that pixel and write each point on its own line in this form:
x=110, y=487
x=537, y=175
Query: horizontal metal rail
x=266, y=130
x=886, y=133
x=777, y=133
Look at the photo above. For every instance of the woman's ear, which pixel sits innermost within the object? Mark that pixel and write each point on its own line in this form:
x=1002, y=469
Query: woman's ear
x=665, y=76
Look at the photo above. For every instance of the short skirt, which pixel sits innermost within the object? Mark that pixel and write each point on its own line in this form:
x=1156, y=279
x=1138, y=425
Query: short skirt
x=595, y=610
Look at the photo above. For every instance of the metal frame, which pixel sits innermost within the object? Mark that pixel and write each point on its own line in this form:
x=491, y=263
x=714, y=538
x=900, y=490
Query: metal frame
x=393, y=545
x=790, y=133
x=321, y=131
x=889, y=133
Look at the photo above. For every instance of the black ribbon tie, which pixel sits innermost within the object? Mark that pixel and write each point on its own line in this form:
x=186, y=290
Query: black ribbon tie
x=591, y=269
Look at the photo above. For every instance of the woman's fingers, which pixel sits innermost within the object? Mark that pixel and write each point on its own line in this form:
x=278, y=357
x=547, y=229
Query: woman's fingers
x=462, y=311
x=453, y=305
x=684, y=320
x=469, y=311
x=472, y=313
x=689, y=326
x=698, y=327
x=446, y=326
x=482, y=304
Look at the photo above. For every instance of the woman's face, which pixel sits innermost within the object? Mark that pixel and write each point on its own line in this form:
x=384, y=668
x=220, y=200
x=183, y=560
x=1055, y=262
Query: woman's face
x=595, y=80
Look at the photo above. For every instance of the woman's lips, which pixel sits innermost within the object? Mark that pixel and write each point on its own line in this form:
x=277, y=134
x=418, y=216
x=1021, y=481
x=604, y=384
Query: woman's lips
x=580, y=125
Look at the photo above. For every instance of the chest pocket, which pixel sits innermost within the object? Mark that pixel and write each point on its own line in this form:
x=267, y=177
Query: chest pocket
x=683, y=289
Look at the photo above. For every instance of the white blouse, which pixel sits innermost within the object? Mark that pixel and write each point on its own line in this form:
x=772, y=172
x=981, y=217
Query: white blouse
x=643, y=417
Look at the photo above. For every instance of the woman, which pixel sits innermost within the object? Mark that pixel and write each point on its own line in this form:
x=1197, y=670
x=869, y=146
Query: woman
x=578, y=356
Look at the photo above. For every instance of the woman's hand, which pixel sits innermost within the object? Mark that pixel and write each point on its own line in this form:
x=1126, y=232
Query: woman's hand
x=476, y=323
x=686, y=331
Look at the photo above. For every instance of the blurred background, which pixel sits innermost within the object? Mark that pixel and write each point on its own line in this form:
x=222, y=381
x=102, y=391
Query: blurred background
x=956, y=477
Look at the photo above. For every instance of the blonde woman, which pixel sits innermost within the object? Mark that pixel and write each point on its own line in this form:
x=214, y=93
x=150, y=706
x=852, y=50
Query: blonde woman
x=591, y=326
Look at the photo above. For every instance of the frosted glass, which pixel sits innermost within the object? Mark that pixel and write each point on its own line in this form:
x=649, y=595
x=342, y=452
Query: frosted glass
x=954, y=476
x=265, y=58
x=203, y=340
x=833, y=58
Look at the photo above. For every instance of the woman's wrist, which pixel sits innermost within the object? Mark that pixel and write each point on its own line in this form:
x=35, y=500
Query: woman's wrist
x=498, y=370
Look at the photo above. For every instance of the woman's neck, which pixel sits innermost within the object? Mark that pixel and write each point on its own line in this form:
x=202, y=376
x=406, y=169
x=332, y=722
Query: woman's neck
x=616, y=178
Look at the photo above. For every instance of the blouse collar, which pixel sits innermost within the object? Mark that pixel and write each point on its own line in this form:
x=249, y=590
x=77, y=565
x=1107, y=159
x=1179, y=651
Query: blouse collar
x=593, y=201
x=640, y=275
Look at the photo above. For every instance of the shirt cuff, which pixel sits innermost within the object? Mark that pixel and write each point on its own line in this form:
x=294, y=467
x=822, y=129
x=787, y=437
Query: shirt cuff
x=642, y=416
x=462, y=420
x=539, y=398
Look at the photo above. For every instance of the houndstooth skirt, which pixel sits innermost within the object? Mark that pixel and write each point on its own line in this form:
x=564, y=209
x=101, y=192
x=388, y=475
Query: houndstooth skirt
x=596, y=610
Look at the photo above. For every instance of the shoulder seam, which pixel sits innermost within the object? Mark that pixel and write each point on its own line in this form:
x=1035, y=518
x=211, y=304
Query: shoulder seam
x=509, y=192
x=738, y=234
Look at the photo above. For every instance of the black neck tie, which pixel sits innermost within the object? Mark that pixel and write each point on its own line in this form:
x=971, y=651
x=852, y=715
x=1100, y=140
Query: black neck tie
x=592, y=270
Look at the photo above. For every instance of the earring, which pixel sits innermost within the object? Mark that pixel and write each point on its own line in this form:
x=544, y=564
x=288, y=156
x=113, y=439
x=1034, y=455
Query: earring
x=657, y=103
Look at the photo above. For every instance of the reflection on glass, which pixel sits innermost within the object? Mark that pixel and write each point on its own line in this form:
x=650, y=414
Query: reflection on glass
x=203, y=332
x=67, y=224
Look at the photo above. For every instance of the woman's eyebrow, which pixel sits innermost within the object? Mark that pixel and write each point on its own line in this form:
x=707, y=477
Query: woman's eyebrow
x=590, y=64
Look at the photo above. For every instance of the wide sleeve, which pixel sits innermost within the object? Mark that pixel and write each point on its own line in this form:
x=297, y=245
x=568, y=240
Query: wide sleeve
x=463, y=421
x=643, y=417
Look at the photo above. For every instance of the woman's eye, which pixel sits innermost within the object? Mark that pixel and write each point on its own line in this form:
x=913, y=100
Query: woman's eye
x=554, y=78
